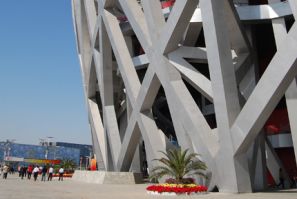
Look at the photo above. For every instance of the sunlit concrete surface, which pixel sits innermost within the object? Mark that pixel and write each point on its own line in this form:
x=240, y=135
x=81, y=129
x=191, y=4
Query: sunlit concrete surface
x=137, y=62
x=15, y=188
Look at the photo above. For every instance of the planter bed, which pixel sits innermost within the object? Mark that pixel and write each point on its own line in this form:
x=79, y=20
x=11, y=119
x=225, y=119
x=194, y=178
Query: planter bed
x=176, y=189
x=68, y=175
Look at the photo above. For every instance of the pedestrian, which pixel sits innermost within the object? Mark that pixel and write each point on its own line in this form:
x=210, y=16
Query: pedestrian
x=35, y=173
x=1, y=170
x=295, y=181
x=281, y=178
x=50, y=173
x=12, y=170
x=29, y=171
x=43, y=171
x=5, y=171
x=61, y=173
x=19, y=170
x=23, y=171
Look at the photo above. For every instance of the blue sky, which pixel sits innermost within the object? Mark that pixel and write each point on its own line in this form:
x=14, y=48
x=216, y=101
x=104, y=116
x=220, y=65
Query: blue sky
x=41, y=92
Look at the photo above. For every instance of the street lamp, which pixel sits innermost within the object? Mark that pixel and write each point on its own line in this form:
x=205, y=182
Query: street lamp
x=2, y=144
x=87, y=162
x=43, y=143
x=46, y=153
x=8, y=154
x=8, y=148
x=80, y=162
x=46, y=142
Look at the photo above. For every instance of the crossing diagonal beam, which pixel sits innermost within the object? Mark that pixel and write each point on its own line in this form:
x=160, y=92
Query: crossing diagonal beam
x=269, y=90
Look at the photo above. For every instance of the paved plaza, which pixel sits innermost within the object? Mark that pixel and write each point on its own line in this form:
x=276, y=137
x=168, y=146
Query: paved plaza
x=15, y=188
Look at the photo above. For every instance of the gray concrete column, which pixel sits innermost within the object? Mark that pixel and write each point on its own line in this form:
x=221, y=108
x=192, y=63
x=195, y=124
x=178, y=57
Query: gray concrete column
x=225, y=95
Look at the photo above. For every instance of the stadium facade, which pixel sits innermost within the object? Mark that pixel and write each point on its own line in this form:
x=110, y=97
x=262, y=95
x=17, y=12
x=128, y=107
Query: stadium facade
x=216, y=77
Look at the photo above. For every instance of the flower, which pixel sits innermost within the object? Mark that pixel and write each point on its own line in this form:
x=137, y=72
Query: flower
x=177, y=188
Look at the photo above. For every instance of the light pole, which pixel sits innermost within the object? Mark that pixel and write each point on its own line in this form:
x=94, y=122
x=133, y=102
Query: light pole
x=43, y=143
x=8, y=148
x=50, y=144
x=87, y=161
x=8, y=154
x=46, y=153
x=2, y=144
x=46, y=142
x=80, y=162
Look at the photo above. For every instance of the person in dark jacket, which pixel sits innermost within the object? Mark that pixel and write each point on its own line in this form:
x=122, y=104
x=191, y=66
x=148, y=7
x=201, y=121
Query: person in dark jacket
x=23, y=172
x=281, y=178
x=44, y=171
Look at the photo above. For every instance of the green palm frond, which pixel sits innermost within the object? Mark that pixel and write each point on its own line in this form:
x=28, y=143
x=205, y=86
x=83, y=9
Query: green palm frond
x=183, y=155
x=158, y=175
x=177, y=163
x=190, y=157
x=160, y=171
x=68, y=164
x=158, y=168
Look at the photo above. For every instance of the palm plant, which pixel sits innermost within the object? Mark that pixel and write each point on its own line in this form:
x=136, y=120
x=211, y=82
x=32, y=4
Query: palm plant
x=178, y=164
x=68, y=164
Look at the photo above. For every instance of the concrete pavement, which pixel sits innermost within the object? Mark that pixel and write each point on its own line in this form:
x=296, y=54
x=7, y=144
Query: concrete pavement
x=15, y=188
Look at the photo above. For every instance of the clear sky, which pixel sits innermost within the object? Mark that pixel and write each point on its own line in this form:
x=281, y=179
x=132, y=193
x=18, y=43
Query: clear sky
x=41, y=90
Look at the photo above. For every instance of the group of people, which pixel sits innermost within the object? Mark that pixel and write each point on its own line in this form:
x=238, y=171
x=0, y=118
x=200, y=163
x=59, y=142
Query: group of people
x=27, y=171
x=35, y=170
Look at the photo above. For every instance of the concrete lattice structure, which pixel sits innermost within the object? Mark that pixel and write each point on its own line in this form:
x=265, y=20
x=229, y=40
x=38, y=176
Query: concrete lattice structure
x=121, y=86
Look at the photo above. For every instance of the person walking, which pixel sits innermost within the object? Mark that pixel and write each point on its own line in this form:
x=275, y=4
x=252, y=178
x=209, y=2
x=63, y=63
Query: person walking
x=12, y=170
x=5, y=171
x=61, y=173
x=19, y=170
x=35, y=173
x=50, y=173
x=43, y=171
x=281, y=178
x=1, y=170
x=29, y=171
x=23, y=171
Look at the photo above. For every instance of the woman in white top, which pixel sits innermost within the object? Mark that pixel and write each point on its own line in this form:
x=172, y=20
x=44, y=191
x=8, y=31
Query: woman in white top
x=50, y=173
x=61, y=173
x=35, y=173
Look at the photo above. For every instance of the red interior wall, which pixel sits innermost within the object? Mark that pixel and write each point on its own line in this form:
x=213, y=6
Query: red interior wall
x=278, y=119
x=270, y=179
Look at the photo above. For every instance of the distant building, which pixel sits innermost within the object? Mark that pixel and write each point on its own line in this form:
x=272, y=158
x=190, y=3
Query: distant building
x=26, y=151
x=1, y=154
x=86, y=151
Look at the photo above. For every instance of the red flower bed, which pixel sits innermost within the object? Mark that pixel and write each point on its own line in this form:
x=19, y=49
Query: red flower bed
x=177, y=190
x=65, y=175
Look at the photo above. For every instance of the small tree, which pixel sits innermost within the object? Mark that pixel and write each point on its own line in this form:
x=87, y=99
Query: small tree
x=68, y=164
x=178, y=164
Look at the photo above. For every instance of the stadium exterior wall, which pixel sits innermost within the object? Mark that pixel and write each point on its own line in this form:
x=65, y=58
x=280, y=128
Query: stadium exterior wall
x=130, y=50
